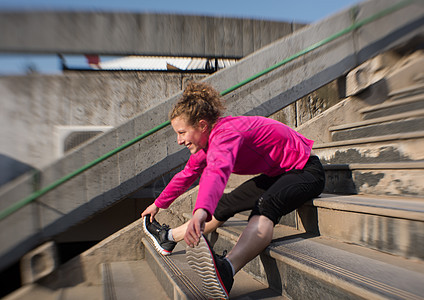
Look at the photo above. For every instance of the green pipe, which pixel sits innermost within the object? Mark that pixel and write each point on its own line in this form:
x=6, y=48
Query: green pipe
x=16, y=206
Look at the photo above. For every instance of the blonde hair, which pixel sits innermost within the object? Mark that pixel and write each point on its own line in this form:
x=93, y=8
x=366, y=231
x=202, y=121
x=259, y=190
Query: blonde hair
x=199, y=101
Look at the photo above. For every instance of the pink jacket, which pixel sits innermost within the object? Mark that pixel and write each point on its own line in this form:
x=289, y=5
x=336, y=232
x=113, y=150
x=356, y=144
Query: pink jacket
x=240, y=145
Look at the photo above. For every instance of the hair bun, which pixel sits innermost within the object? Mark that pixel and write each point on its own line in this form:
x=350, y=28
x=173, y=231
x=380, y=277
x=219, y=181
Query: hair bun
x=199, y=101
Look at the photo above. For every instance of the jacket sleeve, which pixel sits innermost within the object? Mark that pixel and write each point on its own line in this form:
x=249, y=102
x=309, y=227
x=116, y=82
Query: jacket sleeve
x=220, y=160
x=182, y=180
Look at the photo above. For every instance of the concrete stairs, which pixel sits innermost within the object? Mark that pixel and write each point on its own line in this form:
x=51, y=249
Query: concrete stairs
x=383, y=154
x=130, y=280
x=180, y=282
x=335, y=247
x=115, y=179
x=132, y=273
x=389, y=224
x=300, y=265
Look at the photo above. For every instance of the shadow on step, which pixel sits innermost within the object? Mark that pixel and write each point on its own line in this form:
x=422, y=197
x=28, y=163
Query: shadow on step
x=339, y=180
x=271, y=268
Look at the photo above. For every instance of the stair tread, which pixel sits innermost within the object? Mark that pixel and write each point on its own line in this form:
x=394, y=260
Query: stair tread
x=408, y=89
x=245, y=287
x=374, y=203
x=376, y=121
x=394, y=206
x=39, y=291
x=393, y=103
x=373, y=139
x=375, y=271
x=81, y=292
x=132, y=280
x=415, y=164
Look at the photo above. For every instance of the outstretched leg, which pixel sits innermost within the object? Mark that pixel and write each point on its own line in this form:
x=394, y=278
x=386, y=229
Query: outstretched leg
x=255, y=238
x=160, y=234
x=179, y=232
x=216, y=272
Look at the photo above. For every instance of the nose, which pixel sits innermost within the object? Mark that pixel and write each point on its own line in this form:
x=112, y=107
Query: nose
x=180, y=141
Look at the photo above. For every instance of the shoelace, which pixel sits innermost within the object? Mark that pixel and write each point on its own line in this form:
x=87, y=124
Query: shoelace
x=165, y=226
x=224, y=254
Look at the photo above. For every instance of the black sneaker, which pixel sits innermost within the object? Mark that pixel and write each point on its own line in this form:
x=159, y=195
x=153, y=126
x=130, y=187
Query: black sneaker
x=158, y=234
x=214, y=270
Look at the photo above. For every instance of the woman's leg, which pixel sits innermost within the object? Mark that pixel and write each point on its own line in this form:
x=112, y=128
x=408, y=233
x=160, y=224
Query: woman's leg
x=255, y=238
x=240, y=199
x=179, y=232
x=289, y=192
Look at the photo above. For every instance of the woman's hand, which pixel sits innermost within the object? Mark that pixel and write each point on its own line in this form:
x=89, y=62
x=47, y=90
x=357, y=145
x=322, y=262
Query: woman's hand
x=152, y=210
x=195, y=227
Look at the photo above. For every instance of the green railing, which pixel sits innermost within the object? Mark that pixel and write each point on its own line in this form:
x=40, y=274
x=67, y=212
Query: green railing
x=355, y=25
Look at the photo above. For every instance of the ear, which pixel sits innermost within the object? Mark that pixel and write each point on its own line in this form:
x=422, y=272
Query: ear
x=203, y=125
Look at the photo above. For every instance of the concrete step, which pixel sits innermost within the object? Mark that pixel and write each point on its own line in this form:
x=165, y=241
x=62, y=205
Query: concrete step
x=40, y=292
x=395, y=178
x=390, y=224
x=180, y=282
x=393, y=107
x=407, y=91
x=304, y=266
x=386, y=148
x=399, y=123
x=130, y=280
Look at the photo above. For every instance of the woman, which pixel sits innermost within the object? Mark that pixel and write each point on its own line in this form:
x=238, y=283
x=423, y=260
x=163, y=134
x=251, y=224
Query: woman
x=289, y=176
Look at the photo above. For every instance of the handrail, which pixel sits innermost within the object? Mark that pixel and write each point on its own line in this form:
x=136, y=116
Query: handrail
x=16, y=206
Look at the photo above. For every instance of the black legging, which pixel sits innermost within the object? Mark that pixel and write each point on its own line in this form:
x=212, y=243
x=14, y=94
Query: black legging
x=276, y=196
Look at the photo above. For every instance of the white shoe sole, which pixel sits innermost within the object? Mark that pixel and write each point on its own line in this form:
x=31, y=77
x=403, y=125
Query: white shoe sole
x=200, y=259
x=154, y=240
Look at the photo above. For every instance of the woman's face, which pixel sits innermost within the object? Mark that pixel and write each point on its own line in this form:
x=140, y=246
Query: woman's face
x=194, y=138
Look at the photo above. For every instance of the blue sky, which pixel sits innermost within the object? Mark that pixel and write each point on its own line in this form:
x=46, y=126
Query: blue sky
x=307, y=11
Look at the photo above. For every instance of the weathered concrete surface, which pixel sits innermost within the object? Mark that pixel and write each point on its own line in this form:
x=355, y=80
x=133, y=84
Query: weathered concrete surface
x=35, y=292
x=412, y=103
x=37, y=110
x=392, y=148
x=39, y=263
x=303, y=266
x=390, y=224
x=397, y=69
x=124, y=245
x=399, y=123
x=81, y=276
x=392, y=178
x=143, y=34
x=310, y=106
x=132, y=280
x=40, y=112
x=145, y=161
x=375, y=88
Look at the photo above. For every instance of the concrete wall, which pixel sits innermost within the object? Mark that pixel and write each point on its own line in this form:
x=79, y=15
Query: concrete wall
x=144, y=34
x=37, y=109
